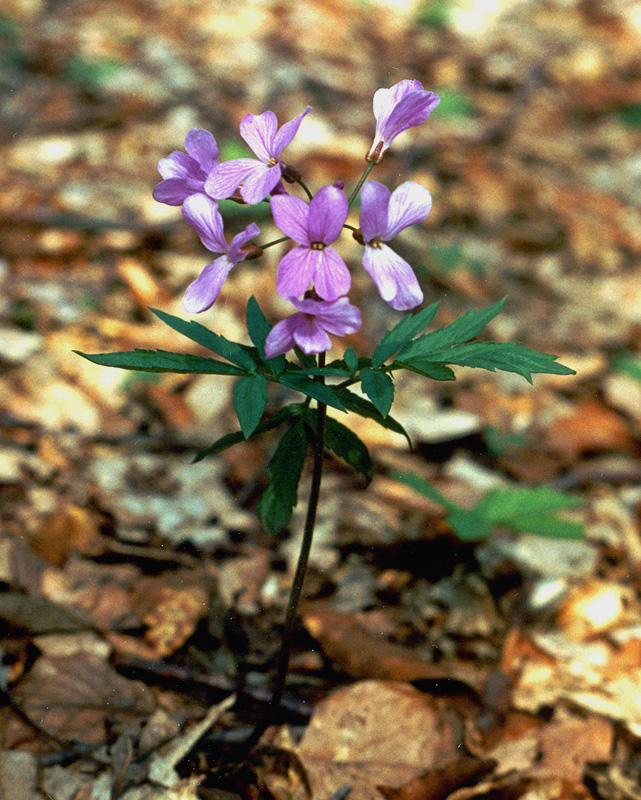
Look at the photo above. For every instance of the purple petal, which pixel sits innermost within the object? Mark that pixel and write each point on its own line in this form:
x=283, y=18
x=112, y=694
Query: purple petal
x=202, y=293
x=327, y=214
x=386, y=99
x=295, y=272
x=409, y=203
x=281, y=337
x=173, y=191
x=374, y=210
x=259, y=131
x=412, y=110
x=260, y=182
x=287, y=133
x=202, y=147
x=339, y=317
x=290, y=216
x=240, y=239
x=178, y=165
x=225, y=178
x=394, y=278
x=331, y=276
x=202, y=213
x=310, y=336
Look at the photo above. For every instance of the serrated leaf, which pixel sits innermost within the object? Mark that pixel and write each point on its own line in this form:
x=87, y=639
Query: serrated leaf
x=250, y=399
x=379, y=387
x=311, y=388
x=438, y=372
x=505, y=356
x=465, y=327
x=229, y=440
x=207, y=338
x=258, y=329
x=402, y=333
x=362, y=407
x=345, y=444
x=162, y=361
x=351, y=359
x=281, y=495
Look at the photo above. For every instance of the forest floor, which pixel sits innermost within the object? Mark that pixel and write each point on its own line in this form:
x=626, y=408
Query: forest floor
x=140, y=599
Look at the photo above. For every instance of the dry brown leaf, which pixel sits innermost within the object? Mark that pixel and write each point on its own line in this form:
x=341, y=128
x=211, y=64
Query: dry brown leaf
x=374, y=733
x=74, y=698
x=589, y=427
x=438, y=784
x=174, y=619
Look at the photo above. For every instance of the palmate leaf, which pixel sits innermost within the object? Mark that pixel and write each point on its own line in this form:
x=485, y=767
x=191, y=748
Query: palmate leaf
x=212, y=341
x=402, y=333
x=344, y=443
x=465, y=327
x=362, y=407
x=285, y=468
x=379, y=387
x=250, y=398
x=505, y=356
x=285, y=414
x=162, y=361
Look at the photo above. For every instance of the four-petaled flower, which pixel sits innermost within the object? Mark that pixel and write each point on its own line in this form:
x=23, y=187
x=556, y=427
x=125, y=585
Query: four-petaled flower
x=202, y=213
x=396, y=109
x=260, y=175
x=314, y=227
x=384, y=214
x=184, y=174
x=309, y=327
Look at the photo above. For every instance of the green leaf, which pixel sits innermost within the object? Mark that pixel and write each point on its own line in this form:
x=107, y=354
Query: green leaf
x=351, y=359
x=162, y=361
x=506, y=356
x=258, y=328
x=229, y=440
x=345, y=444
x=285, y=468
x=362, y=407
x=250, y=399
x=465, y=327
x=524, y=510
x=402, y=333
x=212, y=341
x=329, y=371
x=438, y=372
x=379, y=387
x=311, y=388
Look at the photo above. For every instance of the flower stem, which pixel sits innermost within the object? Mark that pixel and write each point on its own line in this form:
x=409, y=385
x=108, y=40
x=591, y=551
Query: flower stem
x=370, y=166
x=299, y=576
x=275, y=241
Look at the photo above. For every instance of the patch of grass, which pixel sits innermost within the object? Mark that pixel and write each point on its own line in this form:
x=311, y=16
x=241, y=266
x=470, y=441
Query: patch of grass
x=631, y=115
x=449, y=257
x=92, y=73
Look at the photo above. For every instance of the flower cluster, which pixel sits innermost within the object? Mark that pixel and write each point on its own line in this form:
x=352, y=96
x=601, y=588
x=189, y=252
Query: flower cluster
x=312, y=275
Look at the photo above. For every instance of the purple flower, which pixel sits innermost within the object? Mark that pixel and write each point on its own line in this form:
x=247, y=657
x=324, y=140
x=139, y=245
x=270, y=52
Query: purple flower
x=314, y=227
x=261, y=175
x=184, y=174
x=201, y=212
x=384, y=214
x=396, y=109
x=308, y=329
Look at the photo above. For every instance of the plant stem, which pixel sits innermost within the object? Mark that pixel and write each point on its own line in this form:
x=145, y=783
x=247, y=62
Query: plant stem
x=370, y=166
x=299, y=576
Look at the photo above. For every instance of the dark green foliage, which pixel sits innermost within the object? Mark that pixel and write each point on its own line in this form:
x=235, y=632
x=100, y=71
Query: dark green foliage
x=379, y=387
x=162, y=361
x=285, y=468
x=250, y=399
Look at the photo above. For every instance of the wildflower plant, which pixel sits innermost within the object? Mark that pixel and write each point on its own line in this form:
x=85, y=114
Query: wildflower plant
x=315, y=279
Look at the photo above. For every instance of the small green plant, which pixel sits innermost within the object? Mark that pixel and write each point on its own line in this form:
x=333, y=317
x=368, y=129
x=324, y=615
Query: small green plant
x=518, y=509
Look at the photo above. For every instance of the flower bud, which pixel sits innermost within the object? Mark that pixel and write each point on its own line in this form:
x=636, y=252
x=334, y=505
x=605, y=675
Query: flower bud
x=237, y=198
x=358, y=235
x=290, y=174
